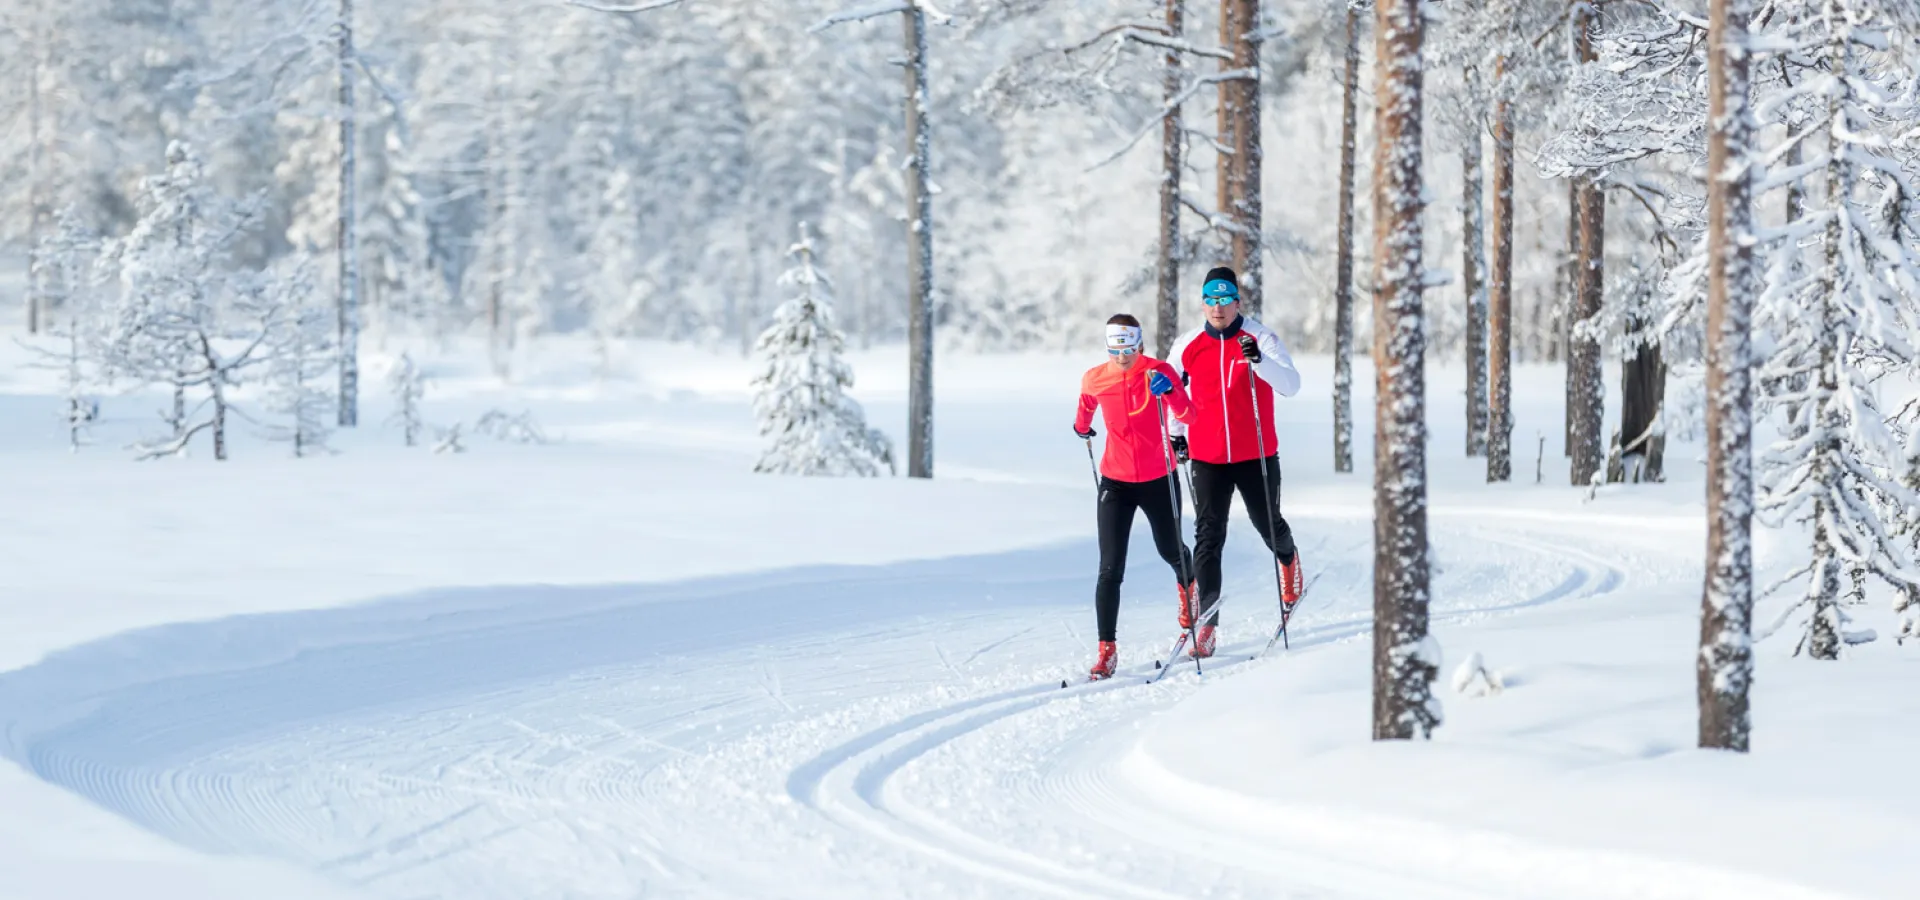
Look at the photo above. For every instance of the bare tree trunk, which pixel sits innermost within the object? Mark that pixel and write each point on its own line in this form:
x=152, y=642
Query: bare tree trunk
x=1172, y=142
x=1559, y=342
x=1500, y=300
x=1585, y=376
x=34, y=200
x=1405, y=659
x=1724, y=668
x=1240, y=131
x=1343, y=274
x=494, y=237
x=1473, y=266
x=1642, y=380
x=349, y=233
x=919, y=254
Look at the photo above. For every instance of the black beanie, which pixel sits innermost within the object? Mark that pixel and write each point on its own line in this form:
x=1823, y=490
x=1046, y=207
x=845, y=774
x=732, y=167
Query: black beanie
x=1222, y=273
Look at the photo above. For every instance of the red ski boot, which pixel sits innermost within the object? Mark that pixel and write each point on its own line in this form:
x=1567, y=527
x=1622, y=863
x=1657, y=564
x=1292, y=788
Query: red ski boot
x=1203, y=642
x=1108, y=661
x=1187, y=592
x=1292, y=582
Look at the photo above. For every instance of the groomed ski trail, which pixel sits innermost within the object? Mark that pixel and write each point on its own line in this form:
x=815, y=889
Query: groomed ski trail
x=855, y=750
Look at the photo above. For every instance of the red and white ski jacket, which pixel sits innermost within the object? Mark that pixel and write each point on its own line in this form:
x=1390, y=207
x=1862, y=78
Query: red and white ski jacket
x=1217, y=375
x=1136, y=451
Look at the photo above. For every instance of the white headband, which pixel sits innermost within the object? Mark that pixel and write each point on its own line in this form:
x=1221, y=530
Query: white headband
x=1119, y=336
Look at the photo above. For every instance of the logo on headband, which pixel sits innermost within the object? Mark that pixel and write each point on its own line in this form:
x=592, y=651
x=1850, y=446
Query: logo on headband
x=1220, y=288
x=1123, y=336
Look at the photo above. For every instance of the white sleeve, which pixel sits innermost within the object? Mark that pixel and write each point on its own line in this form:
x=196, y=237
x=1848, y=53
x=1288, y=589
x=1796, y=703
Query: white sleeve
x=1276, y=365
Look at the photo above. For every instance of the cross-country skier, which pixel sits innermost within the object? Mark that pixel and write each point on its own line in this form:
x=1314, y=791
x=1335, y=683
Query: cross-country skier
x=1218, y=364
x=1128, y=389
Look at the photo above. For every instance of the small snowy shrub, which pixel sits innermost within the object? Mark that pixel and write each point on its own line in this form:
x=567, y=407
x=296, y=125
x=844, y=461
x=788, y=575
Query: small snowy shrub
x=1474, y=679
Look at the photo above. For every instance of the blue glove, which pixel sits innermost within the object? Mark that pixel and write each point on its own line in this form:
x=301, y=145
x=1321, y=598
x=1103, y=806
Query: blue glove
x=1159, y=383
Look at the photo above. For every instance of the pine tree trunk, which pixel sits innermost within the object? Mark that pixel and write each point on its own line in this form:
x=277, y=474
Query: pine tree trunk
x=1558, y=343
x=349, y=232
x=1822, y=640
x=179, y=420
x=1172, y=141
x=1500, y=297
x=1641, y=392
x=1240, y=131
x=1343, y=269
x=919, y=254
x=1585, y=374
x=1404, y=665
x=1724, y=670
x=496, y=204
x=1473, y=267
x=33, y=200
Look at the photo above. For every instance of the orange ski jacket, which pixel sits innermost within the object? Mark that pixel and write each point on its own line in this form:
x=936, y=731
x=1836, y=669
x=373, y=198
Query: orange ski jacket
x=1136, y=449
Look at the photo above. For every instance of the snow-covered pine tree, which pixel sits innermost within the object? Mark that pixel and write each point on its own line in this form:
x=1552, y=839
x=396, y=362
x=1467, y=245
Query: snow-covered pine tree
x=408, y=386
x=800, y=401
x=62, y=263
x=300, y=354
x=1843, y=318
x=183, y=318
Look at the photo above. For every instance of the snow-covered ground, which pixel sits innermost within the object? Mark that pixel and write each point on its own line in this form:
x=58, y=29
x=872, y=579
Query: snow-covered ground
x=620, y=665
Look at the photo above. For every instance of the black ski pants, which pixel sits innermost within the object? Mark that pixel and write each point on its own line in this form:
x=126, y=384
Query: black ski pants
x=1118, y=500
x=1213, y=487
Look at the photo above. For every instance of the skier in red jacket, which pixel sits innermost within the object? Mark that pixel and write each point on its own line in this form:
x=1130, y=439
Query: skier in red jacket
x=1219, y=364
x=1135, y=469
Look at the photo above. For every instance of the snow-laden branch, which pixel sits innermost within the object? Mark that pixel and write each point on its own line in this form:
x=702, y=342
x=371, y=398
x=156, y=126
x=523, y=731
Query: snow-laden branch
x=1179, y=46
x=875, y=10
x=648, y=6
x=1175, y=103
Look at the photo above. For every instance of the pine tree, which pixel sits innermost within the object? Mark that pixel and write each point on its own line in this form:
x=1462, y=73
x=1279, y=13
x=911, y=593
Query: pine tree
x=1724, y=668
x=1406, y=659
x=408, y=385
x=62, y=261
x=185, y=318
x=1343, y=261
x=1842, y=318
x=816, y=429
x=301, y=354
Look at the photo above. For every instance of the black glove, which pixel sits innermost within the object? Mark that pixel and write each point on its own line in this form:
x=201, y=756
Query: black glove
x=1179, y=447
x=1088, y=434
x=1249, y=347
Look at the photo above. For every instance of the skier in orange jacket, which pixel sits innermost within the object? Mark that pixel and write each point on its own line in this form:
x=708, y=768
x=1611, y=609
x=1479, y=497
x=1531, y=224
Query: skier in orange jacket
x=1129, y=389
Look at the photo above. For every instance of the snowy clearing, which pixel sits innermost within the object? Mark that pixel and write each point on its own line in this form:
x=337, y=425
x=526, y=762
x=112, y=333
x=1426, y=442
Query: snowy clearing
x=621, y=665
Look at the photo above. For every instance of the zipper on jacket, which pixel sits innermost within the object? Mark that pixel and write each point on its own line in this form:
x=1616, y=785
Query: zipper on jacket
x=1226, y=425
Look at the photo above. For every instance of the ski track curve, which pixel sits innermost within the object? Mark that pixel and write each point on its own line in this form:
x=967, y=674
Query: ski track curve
x=852, y=782
x=743, y=772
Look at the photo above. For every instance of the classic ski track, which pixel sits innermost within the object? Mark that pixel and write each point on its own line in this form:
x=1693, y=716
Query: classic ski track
x=853, y=783
x=372, y=796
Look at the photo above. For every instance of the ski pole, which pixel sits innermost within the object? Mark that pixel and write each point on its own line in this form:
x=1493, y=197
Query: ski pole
x=1173, y=494
x=1091, y=465
x=1273, y=505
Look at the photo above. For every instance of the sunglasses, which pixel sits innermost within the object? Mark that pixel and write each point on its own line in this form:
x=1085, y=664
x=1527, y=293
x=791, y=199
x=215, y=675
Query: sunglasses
x=1219, y=301
x=1122, y=351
